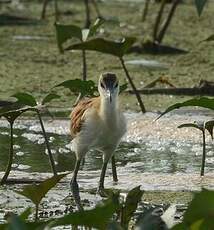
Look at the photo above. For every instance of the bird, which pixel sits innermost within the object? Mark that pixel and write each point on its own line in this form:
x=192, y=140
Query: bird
x=97, y=123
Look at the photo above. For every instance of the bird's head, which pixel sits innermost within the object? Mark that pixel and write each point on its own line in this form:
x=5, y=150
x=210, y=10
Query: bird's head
x=108, y=86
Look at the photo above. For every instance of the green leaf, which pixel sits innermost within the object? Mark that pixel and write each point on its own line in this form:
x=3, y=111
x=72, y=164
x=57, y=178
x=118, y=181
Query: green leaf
x=79, y=86
x=24, y=215
x=133, y=198
x=25, y=99
x=201, y=102
x=95, y=218
x=200, y=6
x=12, y=110
x=36, y=192
x=209, y=126
x=49, y=97
x=192, y=125
x=201, y=207
x=116, y=48
x=65, y=32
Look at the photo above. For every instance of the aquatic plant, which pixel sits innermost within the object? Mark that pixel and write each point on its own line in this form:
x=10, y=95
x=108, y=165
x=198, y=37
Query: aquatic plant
x=115, y=48
x=204, y=102
x=11, y=110
x=36, y=192
x=202, y=126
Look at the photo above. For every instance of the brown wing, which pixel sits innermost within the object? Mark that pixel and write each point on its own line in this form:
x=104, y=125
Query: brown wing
x=77, y=118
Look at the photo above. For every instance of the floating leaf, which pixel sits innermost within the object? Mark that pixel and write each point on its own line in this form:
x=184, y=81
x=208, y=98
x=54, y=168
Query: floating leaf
x=201, y=102
x=25, y=99
x=79, y=86
x=116, y=48
x=36, y=192
x=200, y=6
x=95, y=218
x=133, y=198
x=49, y=97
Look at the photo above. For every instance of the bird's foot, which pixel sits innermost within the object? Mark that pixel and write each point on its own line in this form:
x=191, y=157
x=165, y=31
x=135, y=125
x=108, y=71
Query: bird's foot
x=102, y=192
x=75, y=192
x=105, y=192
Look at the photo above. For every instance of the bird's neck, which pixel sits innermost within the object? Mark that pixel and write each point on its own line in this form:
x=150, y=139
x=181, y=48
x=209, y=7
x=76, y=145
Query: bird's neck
x=109, y=110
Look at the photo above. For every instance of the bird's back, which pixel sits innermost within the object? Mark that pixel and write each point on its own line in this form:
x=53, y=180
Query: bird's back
x=78, y=113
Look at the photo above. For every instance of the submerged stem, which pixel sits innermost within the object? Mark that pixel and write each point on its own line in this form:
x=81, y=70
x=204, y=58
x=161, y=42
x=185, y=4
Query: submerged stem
x=47, y=144
x=10, y=160
x=204, y=154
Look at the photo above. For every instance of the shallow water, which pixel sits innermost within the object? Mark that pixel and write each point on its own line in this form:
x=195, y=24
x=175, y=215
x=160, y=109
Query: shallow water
x=155, y=155
x=139, y=152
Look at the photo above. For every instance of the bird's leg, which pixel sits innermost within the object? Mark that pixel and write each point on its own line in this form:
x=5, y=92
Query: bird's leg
x=102, y=177
x=114, y=169
x=75, y=187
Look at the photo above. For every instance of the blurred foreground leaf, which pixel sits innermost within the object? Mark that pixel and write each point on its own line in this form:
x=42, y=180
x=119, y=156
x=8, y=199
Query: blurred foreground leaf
x=36, y=192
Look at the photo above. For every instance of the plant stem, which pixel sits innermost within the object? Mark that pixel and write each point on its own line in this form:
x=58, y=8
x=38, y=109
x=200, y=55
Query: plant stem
x=204, y=153
x=87, y=12
x=47, y=144
x=158, y=20
x=167, y=22
x=96, y=8
x=133, y=86
x=56, y=10
x=37, y=213
x=84, y=66
x=44, y=8
x=10, y=160
x=145, y=10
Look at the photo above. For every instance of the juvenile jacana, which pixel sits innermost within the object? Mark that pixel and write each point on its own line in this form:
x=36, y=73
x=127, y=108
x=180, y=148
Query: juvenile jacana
x=97, y=123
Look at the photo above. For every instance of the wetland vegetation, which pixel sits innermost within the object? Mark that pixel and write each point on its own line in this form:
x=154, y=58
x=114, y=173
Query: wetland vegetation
x=46, y=64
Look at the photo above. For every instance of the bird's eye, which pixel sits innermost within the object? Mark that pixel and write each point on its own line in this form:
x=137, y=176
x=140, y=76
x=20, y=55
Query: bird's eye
x=116, y=85
x=102, y=85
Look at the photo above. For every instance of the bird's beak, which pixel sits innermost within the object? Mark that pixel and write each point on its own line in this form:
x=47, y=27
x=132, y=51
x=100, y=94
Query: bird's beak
x=109, y=95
